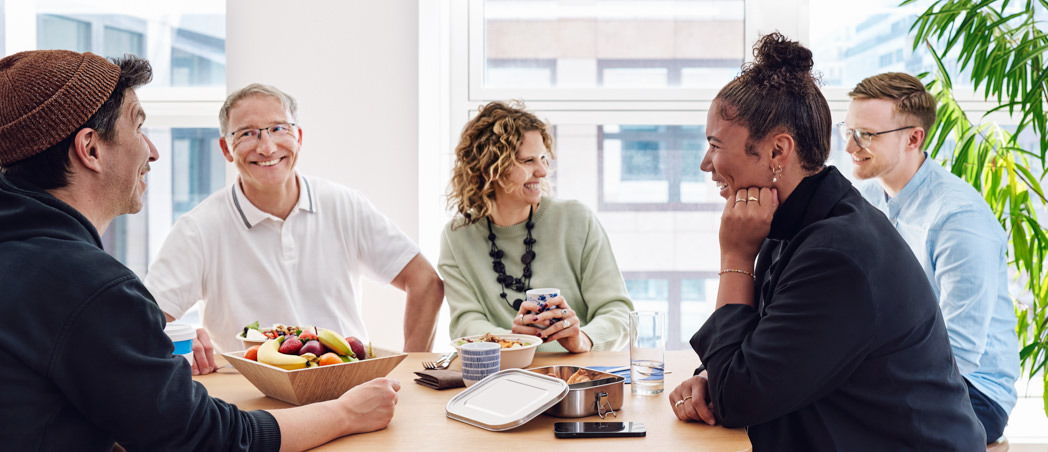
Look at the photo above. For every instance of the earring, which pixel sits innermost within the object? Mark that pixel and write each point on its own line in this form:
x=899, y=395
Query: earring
x=775, y=173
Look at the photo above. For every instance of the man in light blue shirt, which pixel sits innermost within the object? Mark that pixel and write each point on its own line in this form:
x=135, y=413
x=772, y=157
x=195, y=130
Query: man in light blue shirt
x=950, y=229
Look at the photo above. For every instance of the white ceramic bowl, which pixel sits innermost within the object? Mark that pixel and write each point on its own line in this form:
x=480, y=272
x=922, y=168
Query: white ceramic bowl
x=247, y=342
x=510, y=358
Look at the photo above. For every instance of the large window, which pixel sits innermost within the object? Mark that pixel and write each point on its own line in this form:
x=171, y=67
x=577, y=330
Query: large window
x=611, y=43
x=866, y=38
x=566, y=49
x=197, y=168
x=58, y=32
x=685, y=297
x=116, y=42
x=197, y=56
x=628, y=84
x=653, y=167
x=185, y=43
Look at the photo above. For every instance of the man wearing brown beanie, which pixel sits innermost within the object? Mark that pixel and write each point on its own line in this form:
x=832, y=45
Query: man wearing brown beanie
x=85, y=362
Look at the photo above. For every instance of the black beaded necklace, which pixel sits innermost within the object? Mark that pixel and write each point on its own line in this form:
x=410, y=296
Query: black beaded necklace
x=523, y=283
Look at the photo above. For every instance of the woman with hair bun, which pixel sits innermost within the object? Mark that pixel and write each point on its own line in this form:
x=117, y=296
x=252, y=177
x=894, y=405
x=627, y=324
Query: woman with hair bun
x=509, y=236
x=826, y=335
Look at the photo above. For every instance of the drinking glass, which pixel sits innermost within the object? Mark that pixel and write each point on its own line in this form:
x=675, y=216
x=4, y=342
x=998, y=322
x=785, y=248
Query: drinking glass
x=647, y=352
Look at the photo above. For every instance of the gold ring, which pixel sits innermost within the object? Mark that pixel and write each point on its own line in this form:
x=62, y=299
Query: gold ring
x=566, y=324
x=752, y=198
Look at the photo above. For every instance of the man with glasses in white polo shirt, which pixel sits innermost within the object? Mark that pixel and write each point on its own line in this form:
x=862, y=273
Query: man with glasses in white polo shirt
x=950, y=229
x=280, y=247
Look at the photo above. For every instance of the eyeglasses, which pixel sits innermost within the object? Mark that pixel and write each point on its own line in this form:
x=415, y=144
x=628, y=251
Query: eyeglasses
x=251, y=136
x=862, y=137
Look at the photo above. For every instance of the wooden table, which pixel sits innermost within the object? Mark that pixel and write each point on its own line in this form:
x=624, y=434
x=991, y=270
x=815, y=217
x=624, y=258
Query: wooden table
x=420, y=422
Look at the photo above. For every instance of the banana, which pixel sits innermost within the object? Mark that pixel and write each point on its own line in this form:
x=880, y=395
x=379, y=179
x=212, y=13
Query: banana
x=335, y=342
x=269, y=353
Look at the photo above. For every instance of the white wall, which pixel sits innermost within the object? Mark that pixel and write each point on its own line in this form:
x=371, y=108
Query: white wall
x=353, y=66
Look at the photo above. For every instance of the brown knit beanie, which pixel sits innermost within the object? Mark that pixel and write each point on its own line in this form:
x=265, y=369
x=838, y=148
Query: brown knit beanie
x=45, y=95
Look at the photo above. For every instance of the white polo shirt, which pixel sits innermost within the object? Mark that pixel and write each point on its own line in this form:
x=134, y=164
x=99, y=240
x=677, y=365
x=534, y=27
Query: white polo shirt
x=243, y=264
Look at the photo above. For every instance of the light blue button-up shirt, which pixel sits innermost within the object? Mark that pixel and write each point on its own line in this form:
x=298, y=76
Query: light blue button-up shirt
x=961, y=246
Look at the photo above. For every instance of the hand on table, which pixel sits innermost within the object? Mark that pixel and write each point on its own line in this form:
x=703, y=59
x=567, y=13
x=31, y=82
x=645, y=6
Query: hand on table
x=203, y=354
x=370, y=406
x=696, y=405
x=364, y=408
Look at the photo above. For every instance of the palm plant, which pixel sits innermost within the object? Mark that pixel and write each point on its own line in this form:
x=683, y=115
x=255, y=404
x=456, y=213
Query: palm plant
x=999, y=45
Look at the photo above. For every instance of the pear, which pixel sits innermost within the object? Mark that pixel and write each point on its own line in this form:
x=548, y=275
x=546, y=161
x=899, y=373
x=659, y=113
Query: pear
x=357, y=346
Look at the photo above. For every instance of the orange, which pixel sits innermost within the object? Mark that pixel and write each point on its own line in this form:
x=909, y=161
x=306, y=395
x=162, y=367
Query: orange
x=252, y=353
x=329, y=358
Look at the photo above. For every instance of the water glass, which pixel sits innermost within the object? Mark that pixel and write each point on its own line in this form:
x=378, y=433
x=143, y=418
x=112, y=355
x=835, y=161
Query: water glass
x=647, y=352
x=479, y=359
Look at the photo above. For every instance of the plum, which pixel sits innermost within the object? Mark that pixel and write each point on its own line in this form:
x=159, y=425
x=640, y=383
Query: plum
x=314, y=347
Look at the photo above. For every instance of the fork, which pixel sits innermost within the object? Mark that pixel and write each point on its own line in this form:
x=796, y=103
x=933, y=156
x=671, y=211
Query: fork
x=441, y=363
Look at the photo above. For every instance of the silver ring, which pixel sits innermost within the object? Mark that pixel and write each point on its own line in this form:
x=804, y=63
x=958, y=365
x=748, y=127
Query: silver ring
x=566, y=324
x=681, y=401
x=739, y=200
x=563, y=312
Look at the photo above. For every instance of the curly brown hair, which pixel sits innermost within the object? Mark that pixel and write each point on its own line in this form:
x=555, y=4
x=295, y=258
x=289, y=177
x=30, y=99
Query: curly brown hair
x=487, y=150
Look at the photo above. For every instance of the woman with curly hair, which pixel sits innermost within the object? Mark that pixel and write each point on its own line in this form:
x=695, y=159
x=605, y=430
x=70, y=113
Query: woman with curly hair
x=509, y=235
x=826, y=334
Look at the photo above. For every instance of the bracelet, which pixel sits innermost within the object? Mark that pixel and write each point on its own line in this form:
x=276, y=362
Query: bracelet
x=732, y=270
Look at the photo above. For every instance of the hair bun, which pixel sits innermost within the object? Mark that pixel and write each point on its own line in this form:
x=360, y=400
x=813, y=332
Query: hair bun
x=779, y=61
x=774, y=51
x=778, y=91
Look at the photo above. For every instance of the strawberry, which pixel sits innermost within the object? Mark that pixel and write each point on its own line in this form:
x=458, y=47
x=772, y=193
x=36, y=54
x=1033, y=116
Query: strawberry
x=290, y=346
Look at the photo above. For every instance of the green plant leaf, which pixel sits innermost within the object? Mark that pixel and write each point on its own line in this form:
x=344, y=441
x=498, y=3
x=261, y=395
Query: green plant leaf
x=1001, y=48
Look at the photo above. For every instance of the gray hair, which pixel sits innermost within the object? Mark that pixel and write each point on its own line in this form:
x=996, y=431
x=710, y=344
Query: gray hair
x=255, y=89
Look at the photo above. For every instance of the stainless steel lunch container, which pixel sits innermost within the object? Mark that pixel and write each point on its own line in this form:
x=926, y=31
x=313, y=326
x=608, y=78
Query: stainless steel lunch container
x=601, y=396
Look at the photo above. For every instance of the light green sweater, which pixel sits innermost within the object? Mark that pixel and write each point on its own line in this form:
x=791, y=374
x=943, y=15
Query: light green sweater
x=572, y=253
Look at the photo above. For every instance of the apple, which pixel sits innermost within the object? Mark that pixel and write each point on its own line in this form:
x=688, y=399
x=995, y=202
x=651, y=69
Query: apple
x=357, y=347
x=314, y=347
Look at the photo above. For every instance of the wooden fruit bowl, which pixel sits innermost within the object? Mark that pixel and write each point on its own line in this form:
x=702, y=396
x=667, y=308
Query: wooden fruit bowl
x=313, y=384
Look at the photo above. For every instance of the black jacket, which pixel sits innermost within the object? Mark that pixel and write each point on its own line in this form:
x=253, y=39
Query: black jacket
x=84, y=360
x=847, y=349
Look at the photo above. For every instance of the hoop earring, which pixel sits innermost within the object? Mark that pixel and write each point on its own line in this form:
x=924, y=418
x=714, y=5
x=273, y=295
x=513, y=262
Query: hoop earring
x=775, y=173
